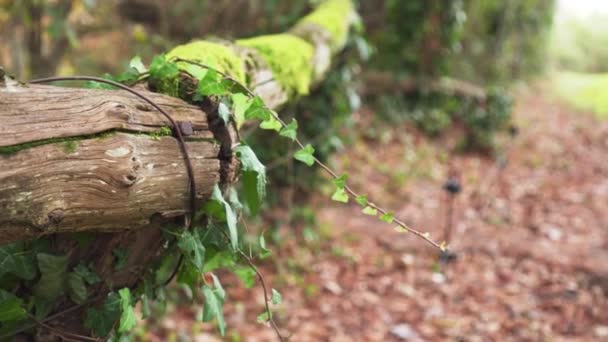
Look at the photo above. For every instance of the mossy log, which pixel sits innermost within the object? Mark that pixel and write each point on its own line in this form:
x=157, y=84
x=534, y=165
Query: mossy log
x=58, y=175
x=100, y=162
x=93, y=160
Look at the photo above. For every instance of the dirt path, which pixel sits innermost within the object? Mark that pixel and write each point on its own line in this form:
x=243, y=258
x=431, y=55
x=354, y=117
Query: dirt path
x=531, y=243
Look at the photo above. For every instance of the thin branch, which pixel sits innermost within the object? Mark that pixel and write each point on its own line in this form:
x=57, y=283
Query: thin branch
x=266, y=297
x=49, y=318
x=350, y=191
x=221, y=73
x=61, y=333
x=327, y=169
x=261, y=83
x=175, y=270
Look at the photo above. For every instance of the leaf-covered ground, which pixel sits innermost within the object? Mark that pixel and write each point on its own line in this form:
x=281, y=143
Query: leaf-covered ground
x=531, y=241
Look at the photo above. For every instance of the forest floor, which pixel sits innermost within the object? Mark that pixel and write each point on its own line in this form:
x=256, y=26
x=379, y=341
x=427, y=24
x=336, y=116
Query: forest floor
x=531, y=240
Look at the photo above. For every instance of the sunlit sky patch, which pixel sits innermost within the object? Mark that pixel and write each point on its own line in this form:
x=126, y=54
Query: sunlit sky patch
x=582, y=7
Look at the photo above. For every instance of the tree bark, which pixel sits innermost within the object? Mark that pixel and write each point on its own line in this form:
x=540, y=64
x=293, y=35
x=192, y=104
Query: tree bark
x=94, y=169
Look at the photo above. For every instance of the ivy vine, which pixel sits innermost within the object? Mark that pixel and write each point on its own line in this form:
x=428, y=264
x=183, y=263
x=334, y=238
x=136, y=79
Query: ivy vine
x=213, y=240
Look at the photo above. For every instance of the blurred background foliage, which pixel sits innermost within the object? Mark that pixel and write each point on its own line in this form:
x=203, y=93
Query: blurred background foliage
x=579, y=59
x=580, y=43
x=504, y=41
x=469, y=39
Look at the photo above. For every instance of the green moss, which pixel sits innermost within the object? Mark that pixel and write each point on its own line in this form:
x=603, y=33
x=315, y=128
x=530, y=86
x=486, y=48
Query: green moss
x=333, y=16
x=217, y=56
x=289, y=57
x=104, y=135
x=70, y=146
x=162, y=132
x=9, y=150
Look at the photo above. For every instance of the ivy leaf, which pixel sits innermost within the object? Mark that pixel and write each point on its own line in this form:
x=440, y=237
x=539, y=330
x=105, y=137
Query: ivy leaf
x=257, y=110
x=240, y=104
x=218, y=259
x=247, y=276
x=77, y=288
x=53, y=270
x=193, y=249
x=11, y=307
x=127, y=316
x=138, y=65
x=251, y=193
x=217, y=286
x=101, y=321
x=340, y=182
x=224, y=112
x=196, y=71
x=263, y=317
x=167, y=264
x=85, y=272
x=160, y=300
x=361, y=200
x=340, y=196
x=290, y=131
x=233, y=199
x=400, y=229
x=188, y=274
x=231, y=222
x=160, y=68
x=199, y=315
x=148, y=294
x=164, y=75
x=221, y=210
x=253, y=177
x=212, y=84
x=306, y=155
x=16, y=260
x=214, y=300
x=271, y=124
x=43, y=307
x=262, y=242
x=265, y=251
x=388, y=217
x=276, y=297
x=370, y=211
x=128, y=76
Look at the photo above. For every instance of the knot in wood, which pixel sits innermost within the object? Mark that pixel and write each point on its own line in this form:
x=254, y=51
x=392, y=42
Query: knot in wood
x=143, y=107
x=56, y=216
x=129, y=179
x=119, y=111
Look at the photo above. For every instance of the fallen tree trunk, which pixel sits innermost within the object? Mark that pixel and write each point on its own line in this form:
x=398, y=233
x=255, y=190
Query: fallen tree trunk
x=57, y=175
x=103, y=162
x=78, y=160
